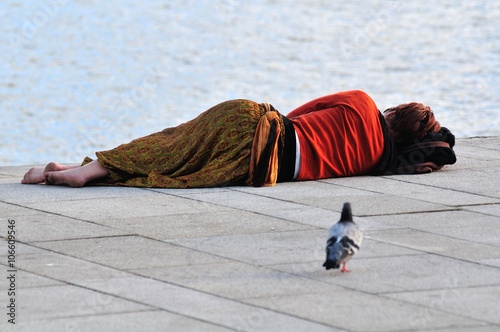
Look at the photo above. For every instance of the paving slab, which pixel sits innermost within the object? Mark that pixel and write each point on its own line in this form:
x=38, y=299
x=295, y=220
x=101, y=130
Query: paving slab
x=21, y=249
x=59, y=301
x=250, y=259
x=243, y=201
x=237, y=280
x=147, y=204
x=356, y=311
x=379, y=275
x=366, y=202
x=395, y=186
x=459, y=224
x=226, y=222
x=21, y=194
x=65, y=269
x=49, y=227
x=479, y=178
x=32, y=280
x=263, y=249
x=438, y=244
x=491, y=209
x=225, y=312
x=9, y=210
x=485, y=148
x=156, y=320
x=309, y=191
x=478, y=302
x=279, y=247
x=129, y=252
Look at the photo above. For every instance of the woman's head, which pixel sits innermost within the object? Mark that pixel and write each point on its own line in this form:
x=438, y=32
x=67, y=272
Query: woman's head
x=408, y=122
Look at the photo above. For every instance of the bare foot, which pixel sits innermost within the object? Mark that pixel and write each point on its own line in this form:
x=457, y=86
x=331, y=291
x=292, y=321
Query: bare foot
x=70, y=177
x=74, y=175
x=37, y=174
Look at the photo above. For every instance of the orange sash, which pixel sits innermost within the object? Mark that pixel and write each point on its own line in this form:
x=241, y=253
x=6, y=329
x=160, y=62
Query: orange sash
x=264, y=159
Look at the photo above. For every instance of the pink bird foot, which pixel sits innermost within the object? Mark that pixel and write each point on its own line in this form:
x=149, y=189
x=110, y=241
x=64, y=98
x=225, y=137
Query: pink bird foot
x=344, y=269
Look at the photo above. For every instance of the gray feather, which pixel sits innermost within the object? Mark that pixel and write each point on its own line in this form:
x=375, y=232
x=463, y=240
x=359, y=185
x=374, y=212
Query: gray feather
x=344, y=240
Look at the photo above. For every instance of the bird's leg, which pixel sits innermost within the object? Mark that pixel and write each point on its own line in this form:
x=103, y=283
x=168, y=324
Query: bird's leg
x=344, y=269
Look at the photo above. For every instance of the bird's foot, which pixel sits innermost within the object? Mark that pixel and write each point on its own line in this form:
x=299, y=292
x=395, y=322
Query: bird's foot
x=344, y=268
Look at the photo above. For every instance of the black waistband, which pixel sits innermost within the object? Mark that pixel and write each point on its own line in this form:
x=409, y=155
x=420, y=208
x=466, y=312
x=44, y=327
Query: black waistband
x=287, y=161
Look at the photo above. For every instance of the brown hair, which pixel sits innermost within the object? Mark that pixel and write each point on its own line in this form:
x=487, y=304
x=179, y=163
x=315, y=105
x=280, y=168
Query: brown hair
x=408, y=122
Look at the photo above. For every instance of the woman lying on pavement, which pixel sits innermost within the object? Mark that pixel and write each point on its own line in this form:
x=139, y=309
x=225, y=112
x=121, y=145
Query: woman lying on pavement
x=242, y=142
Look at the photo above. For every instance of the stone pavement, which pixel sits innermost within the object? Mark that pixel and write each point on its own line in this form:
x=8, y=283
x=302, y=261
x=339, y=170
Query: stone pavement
x=240, y=258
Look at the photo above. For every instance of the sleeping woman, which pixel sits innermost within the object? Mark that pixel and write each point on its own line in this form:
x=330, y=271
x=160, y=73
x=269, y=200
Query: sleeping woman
x=241, y=142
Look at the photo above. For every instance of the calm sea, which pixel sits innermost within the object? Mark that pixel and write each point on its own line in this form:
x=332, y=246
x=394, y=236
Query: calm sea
x=80, y=76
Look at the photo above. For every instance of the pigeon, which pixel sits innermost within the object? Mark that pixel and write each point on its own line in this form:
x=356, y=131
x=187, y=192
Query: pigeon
x=343, y=242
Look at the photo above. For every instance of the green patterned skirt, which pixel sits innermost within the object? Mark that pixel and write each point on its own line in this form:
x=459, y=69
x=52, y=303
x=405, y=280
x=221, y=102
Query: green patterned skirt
x=211, y=150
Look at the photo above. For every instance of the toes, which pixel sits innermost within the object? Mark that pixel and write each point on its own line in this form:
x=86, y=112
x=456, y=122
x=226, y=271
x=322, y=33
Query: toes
x=32, y=176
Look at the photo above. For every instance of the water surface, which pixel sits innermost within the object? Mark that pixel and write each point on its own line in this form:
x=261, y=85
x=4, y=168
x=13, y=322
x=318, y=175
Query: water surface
x=80, y=76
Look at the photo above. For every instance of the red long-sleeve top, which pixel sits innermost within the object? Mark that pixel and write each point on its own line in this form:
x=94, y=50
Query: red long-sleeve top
x=339, y=134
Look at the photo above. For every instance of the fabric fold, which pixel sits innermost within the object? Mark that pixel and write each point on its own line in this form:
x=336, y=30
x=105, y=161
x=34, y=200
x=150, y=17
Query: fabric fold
x=266, y=149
